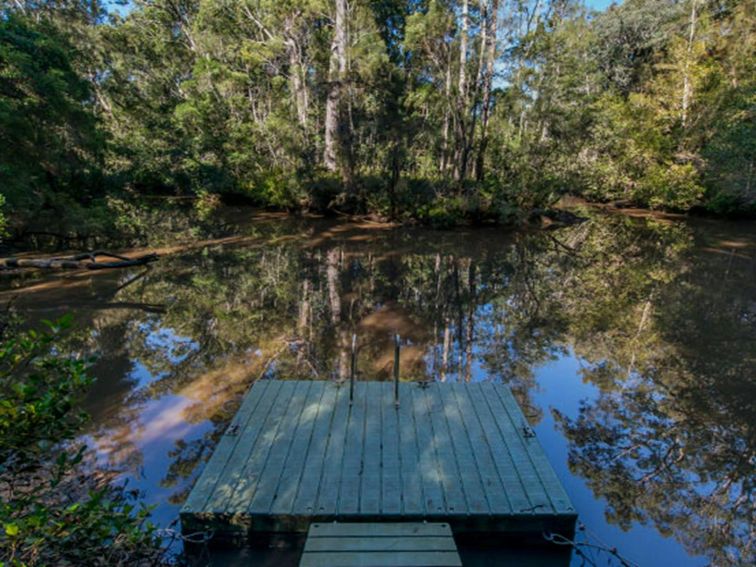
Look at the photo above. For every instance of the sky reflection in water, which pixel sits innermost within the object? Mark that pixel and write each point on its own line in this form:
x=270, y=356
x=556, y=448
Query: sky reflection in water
x=629, y=343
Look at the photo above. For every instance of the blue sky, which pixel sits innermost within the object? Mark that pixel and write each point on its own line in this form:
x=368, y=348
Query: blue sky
x=601, y=4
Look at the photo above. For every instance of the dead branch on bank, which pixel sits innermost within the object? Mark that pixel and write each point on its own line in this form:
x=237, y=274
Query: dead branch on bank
x=86, y=260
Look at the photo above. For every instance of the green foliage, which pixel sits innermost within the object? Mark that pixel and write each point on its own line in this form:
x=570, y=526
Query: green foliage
x=443, y=213
x=51, y=145
x=38, y=391
x=140, y=221
x=53, y=512
x=279, y=189
x=678, y=133
x=730, y=157
x=670, y=186
x=628, y=36
x=646, y=102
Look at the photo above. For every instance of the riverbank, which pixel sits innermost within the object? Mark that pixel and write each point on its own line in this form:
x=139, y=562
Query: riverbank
x=156, y=219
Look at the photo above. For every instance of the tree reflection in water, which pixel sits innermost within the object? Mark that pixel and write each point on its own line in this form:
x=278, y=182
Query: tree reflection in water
x=661, y=316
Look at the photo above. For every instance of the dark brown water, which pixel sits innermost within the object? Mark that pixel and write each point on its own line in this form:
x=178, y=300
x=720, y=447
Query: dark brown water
x=630, y=343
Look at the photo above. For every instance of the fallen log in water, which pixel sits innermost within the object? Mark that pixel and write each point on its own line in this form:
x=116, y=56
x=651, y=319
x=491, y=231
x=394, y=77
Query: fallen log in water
x=86, y=260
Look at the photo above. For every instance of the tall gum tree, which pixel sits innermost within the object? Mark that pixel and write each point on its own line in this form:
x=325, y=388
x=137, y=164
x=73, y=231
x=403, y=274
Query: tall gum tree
x=489, y=49
x=459, y=168
x=337, y=70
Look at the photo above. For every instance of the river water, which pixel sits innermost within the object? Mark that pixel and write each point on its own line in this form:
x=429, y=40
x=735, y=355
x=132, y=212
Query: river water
x=629, y=342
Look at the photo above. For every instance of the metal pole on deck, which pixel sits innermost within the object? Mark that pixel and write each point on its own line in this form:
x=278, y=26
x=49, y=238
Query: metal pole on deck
x=353, y=369
x=397, y=347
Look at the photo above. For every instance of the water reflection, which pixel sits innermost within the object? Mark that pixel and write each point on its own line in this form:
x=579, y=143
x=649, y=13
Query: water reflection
x=658, y=317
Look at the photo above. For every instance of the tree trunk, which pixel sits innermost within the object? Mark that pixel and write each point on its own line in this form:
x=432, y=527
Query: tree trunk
x=462, y=85
x=472, y=97
x=336, y=74
x=445, y=131
x=687, y=89
x=483, y=50
x=297, y=80
x=487, y=85
x=459, y=172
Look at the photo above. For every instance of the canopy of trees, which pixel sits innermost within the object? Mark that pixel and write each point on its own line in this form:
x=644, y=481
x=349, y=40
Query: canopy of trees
x=436, y=109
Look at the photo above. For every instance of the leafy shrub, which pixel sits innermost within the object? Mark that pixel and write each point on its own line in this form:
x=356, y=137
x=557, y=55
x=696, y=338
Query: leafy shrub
x=280, y=190
x=444, y=212
x=53, y=511
x=38, y=392
x=140, y=222
x=669, y=186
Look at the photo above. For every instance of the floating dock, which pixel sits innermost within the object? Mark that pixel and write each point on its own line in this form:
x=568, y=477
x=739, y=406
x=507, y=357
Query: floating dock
x=300, y=452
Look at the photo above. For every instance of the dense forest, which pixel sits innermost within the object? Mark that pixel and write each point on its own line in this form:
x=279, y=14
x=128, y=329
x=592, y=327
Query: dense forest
x=434, y=110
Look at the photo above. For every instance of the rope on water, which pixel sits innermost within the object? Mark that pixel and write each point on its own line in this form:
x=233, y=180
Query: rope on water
x=587, y=550
x=199, y=538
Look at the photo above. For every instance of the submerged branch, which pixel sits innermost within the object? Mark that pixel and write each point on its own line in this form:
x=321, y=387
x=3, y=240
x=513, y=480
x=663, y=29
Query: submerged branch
x=87, y=260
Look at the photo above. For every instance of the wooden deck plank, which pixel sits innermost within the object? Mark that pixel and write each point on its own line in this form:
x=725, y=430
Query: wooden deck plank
x=380, y=543
x=352, y=466
x=554, y=490
x=382, y=559
x=379, y=529
x=305, y=500
x=330, y=484
x=508, y=473
x=433, y=486
x=280, y=451
x=391, y=481
x=370, y=485
x=374, y=544
x=448, y=467
x=214, y=468
x=469, y=474
x=231, y=478
x=513, y=437
x=293, y=471
x=413, y=496
x=496, y=493
x=258, y=455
